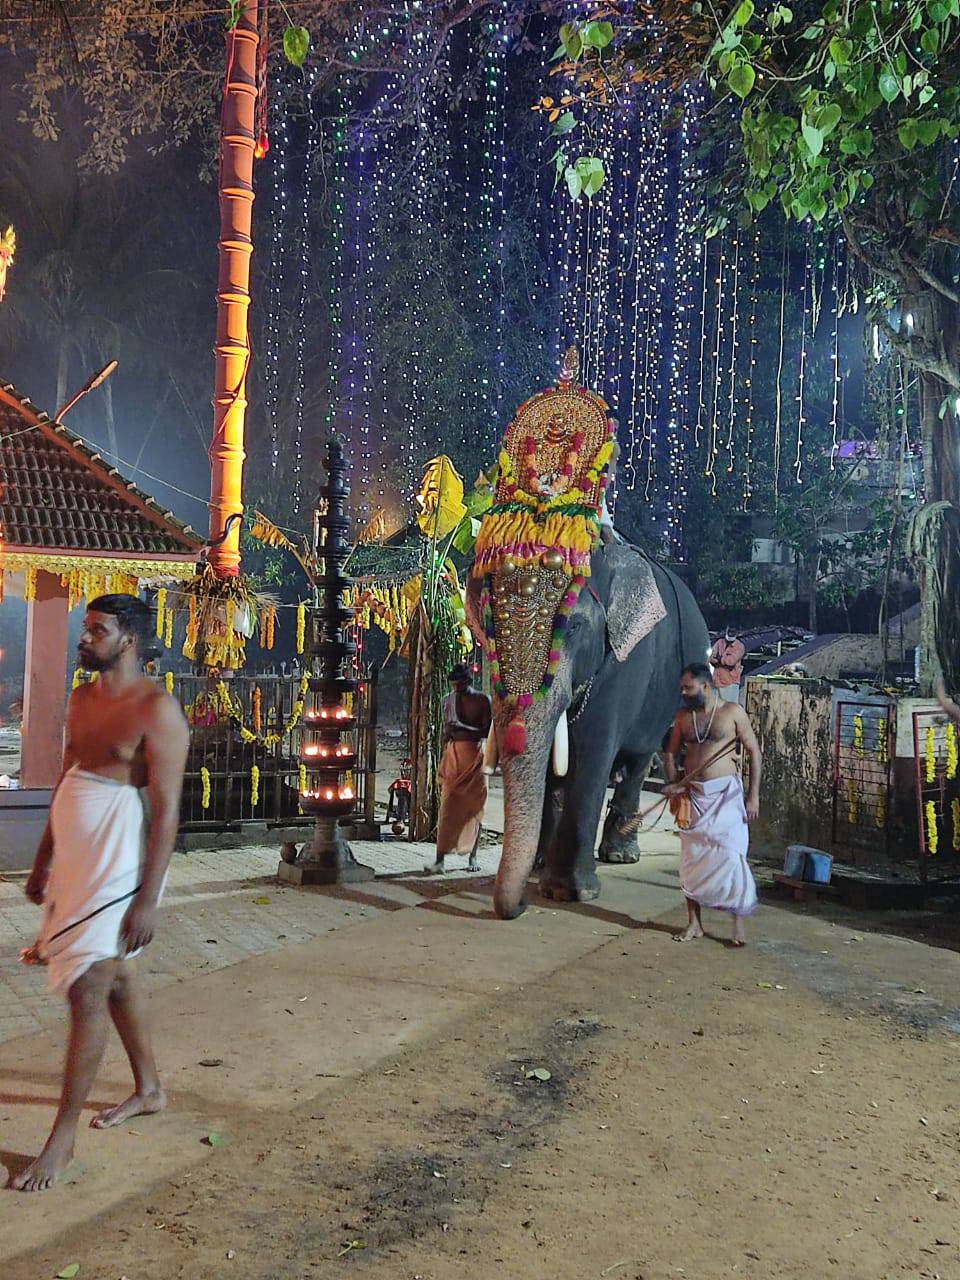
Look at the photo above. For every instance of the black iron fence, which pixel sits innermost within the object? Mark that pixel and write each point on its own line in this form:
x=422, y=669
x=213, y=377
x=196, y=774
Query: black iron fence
x=244, y=760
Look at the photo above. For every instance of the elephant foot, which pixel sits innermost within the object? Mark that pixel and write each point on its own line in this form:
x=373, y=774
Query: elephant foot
x=503, y=911
x=619, y=853
x=565, y=889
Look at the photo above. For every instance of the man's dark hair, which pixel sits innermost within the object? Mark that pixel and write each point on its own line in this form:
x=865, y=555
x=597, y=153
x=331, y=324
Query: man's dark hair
x=134, y=618
x=699, y=671
x=460, y=672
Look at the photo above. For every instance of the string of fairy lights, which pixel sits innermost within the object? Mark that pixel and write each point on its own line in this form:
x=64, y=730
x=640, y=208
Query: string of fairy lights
x=417, y=219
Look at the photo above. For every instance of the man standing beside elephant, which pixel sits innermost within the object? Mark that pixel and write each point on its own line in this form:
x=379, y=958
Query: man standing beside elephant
x=714, y=812
x=463, y=786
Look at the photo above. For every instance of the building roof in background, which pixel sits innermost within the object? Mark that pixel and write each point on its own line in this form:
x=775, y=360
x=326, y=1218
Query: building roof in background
x=58, y=495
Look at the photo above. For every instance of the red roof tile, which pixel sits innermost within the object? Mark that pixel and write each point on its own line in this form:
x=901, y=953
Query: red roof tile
x=57, y=494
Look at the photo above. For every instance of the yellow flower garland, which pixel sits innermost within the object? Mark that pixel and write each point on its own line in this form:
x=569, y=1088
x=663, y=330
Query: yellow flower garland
x=270, y=739
x=161, y=606
x=858, y=735
x=168, y=681
x=301, y=626
x=853, y=807
x=955, y=815
x=882, y=741
x=951, y=751
x=302, y=783
x=205, y=784
x=168, y=630
x=254, y=786
x=880, y=813
x=933, y=835
x=930, y=755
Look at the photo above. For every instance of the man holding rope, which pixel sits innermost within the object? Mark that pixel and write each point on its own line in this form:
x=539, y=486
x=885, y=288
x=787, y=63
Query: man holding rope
x=709, y=803
x=100, y=868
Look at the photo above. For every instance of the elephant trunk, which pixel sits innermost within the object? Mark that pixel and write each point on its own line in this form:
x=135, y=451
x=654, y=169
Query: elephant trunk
x=524, y=785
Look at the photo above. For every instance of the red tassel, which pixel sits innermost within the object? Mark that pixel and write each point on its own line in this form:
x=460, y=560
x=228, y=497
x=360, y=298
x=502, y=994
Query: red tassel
x=514, y=737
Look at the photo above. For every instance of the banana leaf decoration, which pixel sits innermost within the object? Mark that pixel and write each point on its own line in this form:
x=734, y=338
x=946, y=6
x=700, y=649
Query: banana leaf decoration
x=266, y=532
x=440, y=499
x=8, y=249
x=375, y=530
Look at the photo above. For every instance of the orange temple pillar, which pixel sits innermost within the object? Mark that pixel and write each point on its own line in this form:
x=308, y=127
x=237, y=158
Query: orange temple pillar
x=44, y=684
x=232, y=350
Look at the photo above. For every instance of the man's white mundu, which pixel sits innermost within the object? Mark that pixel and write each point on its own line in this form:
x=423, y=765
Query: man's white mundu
x=99, y=829
x=713, y=849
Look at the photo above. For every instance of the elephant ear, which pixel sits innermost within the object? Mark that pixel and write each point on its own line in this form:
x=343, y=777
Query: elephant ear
x=471, y=603
x=635, y=605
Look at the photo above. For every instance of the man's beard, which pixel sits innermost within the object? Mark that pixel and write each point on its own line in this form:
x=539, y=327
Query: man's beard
x=696, y=702
x=90, y=662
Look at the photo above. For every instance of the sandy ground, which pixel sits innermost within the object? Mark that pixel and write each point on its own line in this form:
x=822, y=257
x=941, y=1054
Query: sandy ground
x=787, y=1111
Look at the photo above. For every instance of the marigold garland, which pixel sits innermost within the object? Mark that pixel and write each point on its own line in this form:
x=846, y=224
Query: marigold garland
x=256, y=702
x=858, y=735
x=168, y=682
x=301, y=627
x=933, y=835
x=254, y=786
x=302, y=782
x=880, y=813
x=951, y=751
x=205, y=785
x=930, y=755
x=161, y=606
x=168, y=630
x=228, y=707
x=882, y=731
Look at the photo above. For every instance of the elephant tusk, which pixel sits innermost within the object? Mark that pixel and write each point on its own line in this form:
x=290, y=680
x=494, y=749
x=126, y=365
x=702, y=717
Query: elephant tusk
x=491, y=753
x=561, y=747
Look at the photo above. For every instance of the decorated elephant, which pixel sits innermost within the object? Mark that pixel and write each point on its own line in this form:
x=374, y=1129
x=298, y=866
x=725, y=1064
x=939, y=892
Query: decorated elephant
x=586, y=642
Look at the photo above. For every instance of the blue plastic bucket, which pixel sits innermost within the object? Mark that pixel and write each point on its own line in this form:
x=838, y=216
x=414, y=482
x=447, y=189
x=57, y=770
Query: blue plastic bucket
x=795, y=861
x=818, y=868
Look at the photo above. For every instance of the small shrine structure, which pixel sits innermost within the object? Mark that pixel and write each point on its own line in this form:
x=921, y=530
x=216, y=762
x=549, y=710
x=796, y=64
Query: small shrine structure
x=71, y=526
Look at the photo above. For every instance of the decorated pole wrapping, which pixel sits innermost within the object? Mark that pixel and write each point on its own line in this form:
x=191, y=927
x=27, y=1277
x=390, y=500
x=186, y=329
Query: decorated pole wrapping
x=238, y=137
x=327, y=756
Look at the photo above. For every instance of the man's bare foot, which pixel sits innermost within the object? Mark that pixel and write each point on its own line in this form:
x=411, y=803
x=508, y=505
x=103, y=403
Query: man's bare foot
x=436, y=869
x=693, y=930
x=48, y=1166
x=473, y=865
x=739, y=935
x=138, y=1104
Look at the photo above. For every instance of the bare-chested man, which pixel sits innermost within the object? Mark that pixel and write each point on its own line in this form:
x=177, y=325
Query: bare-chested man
x=463, y=786
x=100, y=868
x=713, y=847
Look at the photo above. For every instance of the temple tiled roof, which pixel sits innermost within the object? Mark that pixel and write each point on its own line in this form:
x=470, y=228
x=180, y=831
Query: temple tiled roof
x=59, y=495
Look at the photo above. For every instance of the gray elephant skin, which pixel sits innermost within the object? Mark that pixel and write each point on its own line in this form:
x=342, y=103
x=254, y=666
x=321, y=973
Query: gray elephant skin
x=617, y=712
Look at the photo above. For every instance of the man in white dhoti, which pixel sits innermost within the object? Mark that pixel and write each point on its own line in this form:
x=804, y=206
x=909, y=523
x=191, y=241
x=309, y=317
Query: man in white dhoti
x=714, y=812
x=100, y=867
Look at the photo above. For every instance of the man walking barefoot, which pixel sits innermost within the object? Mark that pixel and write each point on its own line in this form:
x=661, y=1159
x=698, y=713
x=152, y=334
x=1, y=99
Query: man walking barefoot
x=99, y=870
x=713, y=846
x=463, y=786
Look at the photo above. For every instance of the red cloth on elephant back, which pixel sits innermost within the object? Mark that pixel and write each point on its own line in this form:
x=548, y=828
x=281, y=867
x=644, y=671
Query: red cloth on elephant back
x=463, y=794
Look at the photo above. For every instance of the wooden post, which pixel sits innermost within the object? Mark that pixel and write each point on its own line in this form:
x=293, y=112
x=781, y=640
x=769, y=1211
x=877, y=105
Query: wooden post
x=232, y=350
x=422, y=800
x=44, y=683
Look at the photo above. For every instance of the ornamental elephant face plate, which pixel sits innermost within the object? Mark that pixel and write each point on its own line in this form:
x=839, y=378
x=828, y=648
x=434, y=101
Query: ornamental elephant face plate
x=525, y=602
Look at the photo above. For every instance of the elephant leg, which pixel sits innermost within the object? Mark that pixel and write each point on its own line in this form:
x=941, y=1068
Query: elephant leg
x=618, y=845
x=570, y=874
x=552, y=809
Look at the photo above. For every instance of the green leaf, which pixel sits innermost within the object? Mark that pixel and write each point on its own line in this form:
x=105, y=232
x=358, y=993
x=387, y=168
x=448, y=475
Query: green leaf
x=213, y=1140
x=930, y=40
x=928, y=131
x=840, y=50
x=907, y=133
x=813, y=137
x=741, y=79
x=69, y=1271
x=574, y=183
x=236, y=11
x=937, y=11
x=571, y=40
x=743, y=13
x=296, y=45
x=926, y=93
x=597, y=35
x=539, y=1073
x=565, y=123
x=818, y=209
x=828, y=119
x=888, y=85
x=813, y=32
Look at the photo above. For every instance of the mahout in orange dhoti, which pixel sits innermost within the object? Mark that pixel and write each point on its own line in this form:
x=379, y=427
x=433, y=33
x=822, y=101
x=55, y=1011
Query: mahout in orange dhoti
x=463, y=794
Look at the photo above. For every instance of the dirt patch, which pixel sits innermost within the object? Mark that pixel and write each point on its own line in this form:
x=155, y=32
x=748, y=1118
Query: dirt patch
x=708, y=1114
